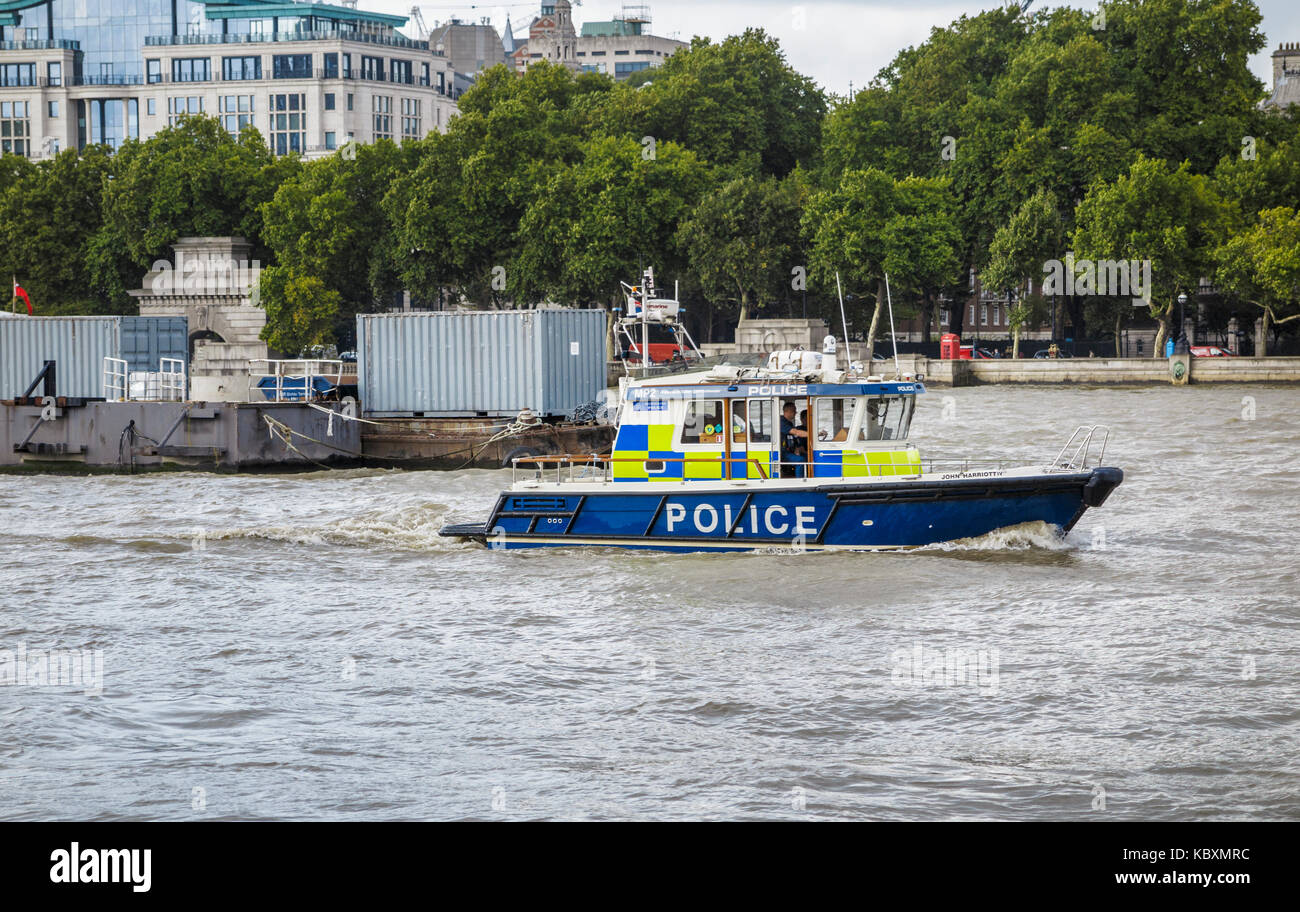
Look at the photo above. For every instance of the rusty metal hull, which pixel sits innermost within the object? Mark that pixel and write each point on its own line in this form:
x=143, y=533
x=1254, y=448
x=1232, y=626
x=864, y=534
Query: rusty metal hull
x=453, y=443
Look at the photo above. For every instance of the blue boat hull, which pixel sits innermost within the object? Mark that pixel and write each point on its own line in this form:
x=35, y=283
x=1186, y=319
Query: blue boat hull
x=838, y=515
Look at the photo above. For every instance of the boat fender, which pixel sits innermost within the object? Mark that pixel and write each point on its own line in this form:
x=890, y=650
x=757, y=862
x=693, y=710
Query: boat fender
x=518, y=453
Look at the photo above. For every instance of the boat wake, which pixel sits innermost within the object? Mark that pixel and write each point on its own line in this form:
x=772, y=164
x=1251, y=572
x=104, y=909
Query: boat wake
x=1030, y=536
x=409, y=529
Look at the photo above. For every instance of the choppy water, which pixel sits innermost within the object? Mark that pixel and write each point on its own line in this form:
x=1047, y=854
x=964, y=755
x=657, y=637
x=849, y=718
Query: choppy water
x=306, y=647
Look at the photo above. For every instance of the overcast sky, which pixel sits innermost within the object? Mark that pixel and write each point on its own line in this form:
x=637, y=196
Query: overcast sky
x=836, y=43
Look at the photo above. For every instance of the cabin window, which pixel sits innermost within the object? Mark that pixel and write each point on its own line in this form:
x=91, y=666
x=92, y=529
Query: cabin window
x=703, y=422
x=760, y=421
x=738, y=423
x=835, y=418
x=887, y=418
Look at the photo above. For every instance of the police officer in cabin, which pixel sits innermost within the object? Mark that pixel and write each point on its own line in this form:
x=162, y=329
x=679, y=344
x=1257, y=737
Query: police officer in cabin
x=790, y=436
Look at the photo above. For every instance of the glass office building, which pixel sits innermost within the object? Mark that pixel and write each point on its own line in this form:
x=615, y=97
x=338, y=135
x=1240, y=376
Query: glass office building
x=308, y=76
x=109, y=32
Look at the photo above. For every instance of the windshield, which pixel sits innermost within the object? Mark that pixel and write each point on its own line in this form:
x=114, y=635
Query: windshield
x=887, y=418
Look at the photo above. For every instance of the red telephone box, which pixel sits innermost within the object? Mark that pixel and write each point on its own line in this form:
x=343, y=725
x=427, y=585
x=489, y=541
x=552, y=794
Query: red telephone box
x=949, y=347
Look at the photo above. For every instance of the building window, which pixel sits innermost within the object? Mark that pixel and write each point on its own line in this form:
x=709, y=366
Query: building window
x=597, y=53
x=372, y=68
x=410, y=118
x=291, y=66
x=984, y=315
x=620, y=53
x=382, y=107
x=997, y=314
x=55, y=73
x=236, y=113
x=15, y=128
x=288, y=123
x=943, y=316
x=105, y=74
x=54, y=109
x=424, y=74
x=622, y=69
x=329, y=101
x=151, y=106
x=972, y=315
x=153, y=71
x=191, y=69
x=347, y=66
x=18, y=74
x=235, y=69
x=401, y=71
x=179, y=106
x=332, y=66
x=330, y=142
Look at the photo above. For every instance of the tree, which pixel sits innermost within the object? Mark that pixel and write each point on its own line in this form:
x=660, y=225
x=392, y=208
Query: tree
x=188, y=179
x=327, y=221
x=923, y=243
x=845, y=227
x=301, y=311
x=736, y=102
x=872, y=225
x=1262, y=265
x=456, y=214
x=1020, y=248
x=741, y=240
x=49, y=216
x=604, y=218
x=1169, y=216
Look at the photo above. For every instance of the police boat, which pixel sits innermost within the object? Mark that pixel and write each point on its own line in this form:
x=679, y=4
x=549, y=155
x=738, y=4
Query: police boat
x=798, y=453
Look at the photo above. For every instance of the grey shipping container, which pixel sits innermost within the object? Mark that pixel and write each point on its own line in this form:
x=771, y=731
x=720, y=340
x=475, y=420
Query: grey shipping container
x=472, y=363
x=79, y=345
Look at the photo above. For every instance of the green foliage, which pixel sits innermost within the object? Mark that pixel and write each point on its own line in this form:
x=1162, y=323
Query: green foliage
x=456, y=214
x=1262, y=264
x=326, y=220
x=605, y=217
x=191, y=179
x=301, y=310
x=742, y=240
x=49, y=214
x=736, y=102
x=1033, y=235
x=1168, y=215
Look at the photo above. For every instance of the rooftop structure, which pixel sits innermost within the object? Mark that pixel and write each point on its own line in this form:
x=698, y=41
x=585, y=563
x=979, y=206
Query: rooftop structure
x=1286, y=76
x=618, y=47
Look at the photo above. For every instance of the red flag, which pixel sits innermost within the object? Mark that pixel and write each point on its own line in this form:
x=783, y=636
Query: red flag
x=20, y=293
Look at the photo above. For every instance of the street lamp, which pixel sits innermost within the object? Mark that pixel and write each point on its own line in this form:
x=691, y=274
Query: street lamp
x=1182, y=331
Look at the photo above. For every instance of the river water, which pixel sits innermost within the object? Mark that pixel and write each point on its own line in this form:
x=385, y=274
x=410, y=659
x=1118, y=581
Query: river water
x=306, y=647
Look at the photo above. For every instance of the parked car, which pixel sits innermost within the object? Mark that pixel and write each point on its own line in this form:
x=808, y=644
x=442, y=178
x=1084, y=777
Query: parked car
x=1211, y=351
x=1048, y=353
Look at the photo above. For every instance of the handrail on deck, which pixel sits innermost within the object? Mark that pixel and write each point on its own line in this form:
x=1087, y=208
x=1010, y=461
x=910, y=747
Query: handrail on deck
x=1075, y=455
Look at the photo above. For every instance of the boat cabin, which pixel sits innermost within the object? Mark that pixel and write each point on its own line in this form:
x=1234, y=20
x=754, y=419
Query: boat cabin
x=763, y=430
